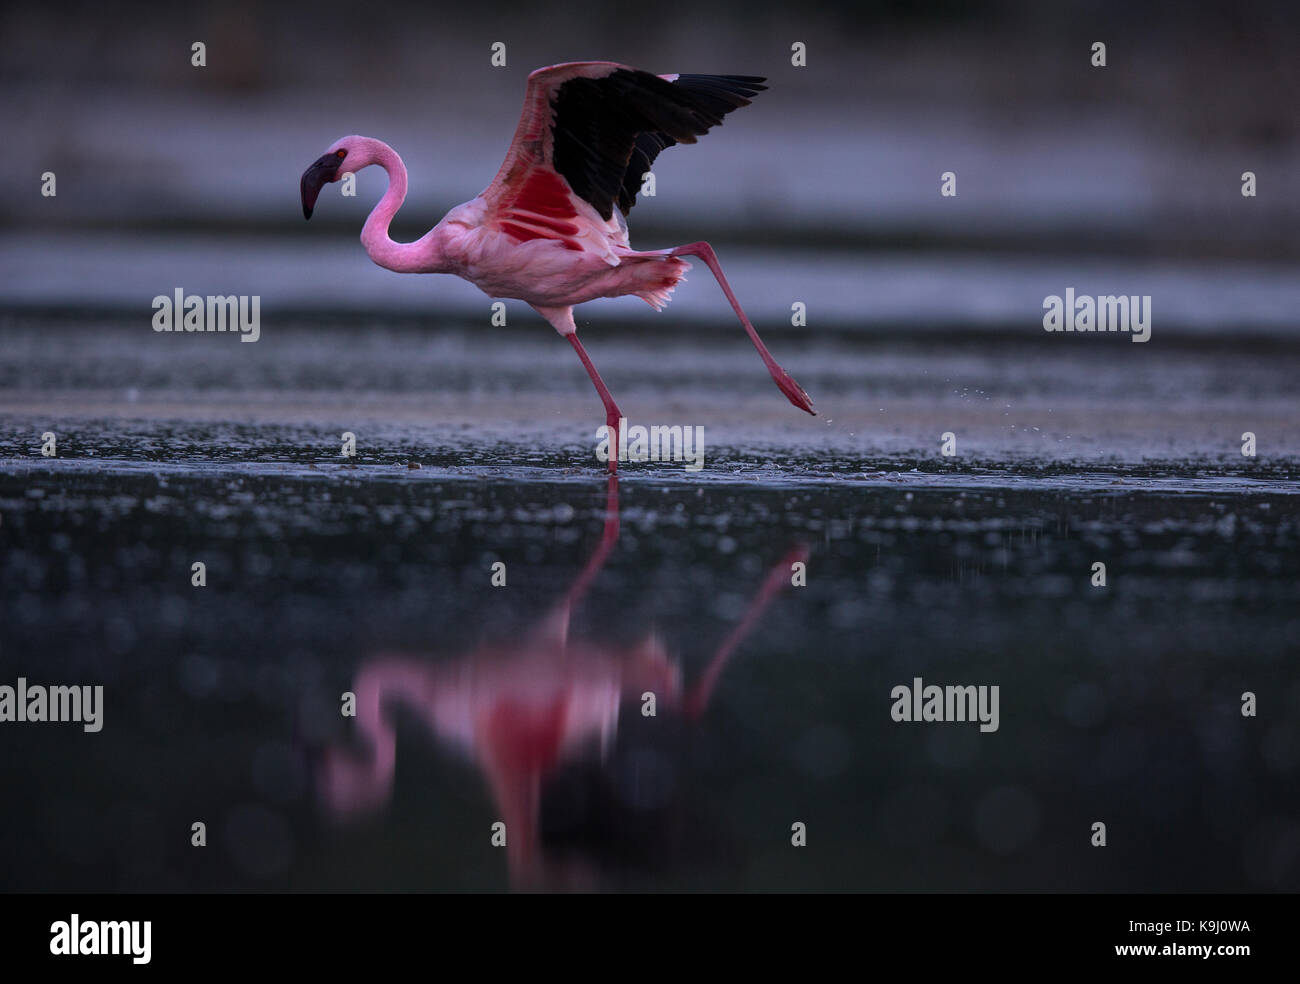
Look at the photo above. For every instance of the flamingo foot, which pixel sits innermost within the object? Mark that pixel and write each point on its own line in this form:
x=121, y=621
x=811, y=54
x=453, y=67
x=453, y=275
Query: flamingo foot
x=792, y=390
x=611, y=421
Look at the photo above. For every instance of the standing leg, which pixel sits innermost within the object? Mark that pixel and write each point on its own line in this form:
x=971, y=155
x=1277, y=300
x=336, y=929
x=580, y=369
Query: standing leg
x=562, y=320
x=612, y=413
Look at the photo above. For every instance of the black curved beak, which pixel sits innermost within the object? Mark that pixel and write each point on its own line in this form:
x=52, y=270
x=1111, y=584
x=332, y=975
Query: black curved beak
x=321, y=173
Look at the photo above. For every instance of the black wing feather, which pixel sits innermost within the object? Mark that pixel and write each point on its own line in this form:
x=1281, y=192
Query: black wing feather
x=608, y=131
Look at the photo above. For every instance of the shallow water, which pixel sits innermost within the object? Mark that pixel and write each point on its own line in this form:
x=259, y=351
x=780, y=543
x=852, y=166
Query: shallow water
x=1117, y=703
x=328, y=574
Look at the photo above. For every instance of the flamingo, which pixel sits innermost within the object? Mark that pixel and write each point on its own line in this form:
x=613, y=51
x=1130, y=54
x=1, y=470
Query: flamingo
x=551, y=228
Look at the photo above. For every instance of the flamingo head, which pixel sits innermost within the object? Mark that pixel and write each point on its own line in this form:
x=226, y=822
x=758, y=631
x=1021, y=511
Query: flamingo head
x=345, y=155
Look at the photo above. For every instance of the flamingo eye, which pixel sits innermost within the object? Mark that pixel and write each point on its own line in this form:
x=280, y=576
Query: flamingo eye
x=340, y=154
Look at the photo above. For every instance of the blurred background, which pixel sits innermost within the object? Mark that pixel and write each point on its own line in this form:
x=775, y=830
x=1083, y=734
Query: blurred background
x=1129, y=173
x=924, y=316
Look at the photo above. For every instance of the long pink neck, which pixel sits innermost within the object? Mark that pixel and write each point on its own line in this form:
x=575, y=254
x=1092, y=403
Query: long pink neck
x=421, y=256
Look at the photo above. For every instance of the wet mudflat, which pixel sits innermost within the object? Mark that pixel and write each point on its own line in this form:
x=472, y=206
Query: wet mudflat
x=327, y=575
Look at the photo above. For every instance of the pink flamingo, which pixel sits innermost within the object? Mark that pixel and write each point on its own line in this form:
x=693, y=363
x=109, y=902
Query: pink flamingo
x=550, y=229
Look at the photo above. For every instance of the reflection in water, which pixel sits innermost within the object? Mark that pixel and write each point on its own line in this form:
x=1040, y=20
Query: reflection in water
x=530, y=713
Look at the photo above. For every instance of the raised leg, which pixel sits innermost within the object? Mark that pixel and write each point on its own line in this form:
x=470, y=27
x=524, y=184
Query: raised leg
x=792, y=390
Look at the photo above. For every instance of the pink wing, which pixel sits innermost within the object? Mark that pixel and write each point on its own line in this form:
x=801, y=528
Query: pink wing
x=588, y=132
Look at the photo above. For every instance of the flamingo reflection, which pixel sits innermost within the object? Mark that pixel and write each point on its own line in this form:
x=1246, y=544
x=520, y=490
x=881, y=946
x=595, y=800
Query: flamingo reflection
x=522, y=712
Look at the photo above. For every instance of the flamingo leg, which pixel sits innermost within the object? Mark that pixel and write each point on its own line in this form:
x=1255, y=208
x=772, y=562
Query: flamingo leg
x=561, y=319
x=612, y=413
x=784, y=381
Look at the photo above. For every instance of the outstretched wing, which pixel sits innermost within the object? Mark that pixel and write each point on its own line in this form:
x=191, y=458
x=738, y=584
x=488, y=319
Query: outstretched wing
x=713, y=97
x=593, y=129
